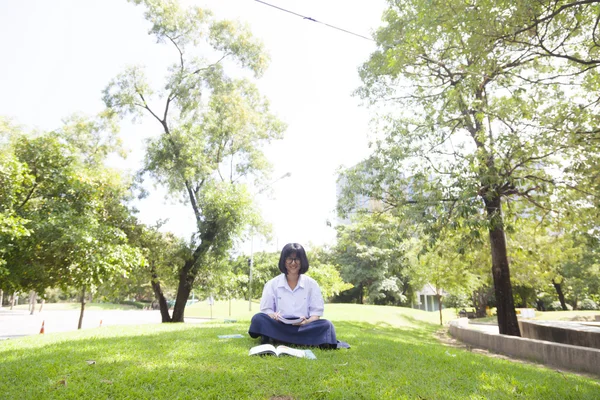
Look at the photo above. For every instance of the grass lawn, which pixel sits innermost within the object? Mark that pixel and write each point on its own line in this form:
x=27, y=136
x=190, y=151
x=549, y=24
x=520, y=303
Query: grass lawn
x=394, y=355
x=395, y=316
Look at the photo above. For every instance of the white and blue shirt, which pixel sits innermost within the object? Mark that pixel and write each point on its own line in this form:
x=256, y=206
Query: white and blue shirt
x=304, y=301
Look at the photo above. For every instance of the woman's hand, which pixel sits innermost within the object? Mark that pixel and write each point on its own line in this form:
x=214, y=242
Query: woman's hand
x=307, y=320
x=303, y=322
x=275, y=315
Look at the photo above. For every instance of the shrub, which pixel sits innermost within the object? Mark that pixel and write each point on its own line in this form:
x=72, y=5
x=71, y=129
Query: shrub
x=544, y=301
x=136, y=304
x=457, y=301
x=555, y=306
x=588, y=304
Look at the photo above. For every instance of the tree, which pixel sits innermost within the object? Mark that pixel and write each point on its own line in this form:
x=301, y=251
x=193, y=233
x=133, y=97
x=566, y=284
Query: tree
x=48, y=173
x=324, y=270
x=97, y=253
x=564, y=30
x=265, y=266
x=540, y=250
x=163, y=252
x=557, y=252
x=230, y=286
x=73, y=206
x=576, y=274
x=13, y=177
x=564, y=34
x=371, y=258
x=212, y=128
x=447, y=265
x=470, y=130
x=99, y=250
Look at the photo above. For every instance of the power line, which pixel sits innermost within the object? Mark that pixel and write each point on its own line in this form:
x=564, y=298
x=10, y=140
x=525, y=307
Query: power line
x=314, y=20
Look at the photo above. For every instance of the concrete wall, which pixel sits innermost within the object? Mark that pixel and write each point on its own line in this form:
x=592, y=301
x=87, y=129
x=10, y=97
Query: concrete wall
x=563, y=356
x=583, y=336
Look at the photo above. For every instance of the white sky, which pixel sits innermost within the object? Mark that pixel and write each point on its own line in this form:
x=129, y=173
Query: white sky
x=58, y=55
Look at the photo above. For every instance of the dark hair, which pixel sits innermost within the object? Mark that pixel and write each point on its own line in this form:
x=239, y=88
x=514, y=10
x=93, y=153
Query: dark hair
x=300, y=253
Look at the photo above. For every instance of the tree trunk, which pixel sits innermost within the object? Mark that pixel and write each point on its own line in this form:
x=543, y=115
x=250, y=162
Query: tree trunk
x=540, y=305
x=32, y=298
x=1, y=297
x=480, y=300
x=186, y=281
x=188, y=273
x=12, y=300
x=507, y=317
x=561, y=295
x=42, y=305
x=162, y=302
x=82, y=308
x=361, y=295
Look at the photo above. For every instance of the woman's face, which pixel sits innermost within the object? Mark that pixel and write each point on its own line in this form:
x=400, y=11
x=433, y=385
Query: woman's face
x=292, y=264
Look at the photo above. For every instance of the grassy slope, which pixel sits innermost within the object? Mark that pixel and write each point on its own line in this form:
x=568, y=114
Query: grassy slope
x=398, y=358
x=333, y=312
x=345, y=312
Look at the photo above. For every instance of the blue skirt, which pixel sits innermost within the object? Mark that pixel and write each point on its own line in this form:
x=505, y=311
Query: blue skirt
x=317, y=333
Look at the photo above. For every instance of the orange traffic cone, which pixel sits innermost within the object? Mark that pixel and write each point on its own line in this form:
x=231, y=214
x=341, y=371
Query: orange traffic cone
x=100, y=324
x=42, y=329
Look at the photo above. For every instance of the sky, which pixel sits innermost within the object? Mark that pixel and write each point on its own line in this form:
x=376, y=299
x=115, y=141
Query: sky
x=58, y=55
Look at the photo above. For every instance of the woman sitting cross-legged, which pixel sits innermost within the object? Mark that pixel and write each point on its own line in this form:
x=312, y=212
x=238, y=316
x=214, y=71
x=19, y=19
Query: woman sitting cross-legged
x=293, y=294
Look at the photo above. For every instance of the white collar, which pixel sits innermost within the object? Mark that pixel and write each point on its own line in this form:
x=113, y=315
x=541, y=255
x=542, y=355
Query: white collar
x=282, y=282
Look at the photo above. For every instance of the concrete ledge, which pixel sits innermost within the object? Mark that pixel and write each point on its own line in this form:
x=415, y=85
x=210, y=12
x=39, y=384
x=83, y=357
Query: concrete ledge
x=575, y=334
x=563, y=356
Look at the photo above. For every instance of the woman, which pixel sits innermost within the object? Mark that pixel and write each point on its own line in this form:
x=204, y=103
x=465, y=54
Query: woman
x=293, y=294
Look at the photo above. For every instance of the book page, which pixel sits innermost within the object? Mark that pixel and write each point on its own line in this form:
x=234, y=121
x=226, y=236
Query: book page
x=289, y=351
x=263, y=349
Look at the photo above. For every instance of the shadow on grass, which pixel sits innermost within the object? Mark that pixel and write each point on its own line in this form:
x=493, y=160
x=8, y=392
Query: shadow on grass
x=189, y=361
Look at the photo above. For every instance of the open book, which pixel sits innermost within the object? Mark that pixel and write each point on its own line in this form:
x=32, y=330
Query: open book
x=288, y=319
x=265, y=349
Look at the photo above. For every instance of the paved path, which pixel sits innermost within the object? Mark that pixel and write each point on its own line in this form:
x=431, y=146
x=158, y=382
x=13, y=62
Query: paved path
x=18, y=323
x=487, y=328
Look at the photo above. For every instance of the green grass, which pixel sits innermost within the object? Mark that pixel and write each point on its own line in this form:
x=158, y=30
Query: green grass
x=397, y=359
x=395, y=316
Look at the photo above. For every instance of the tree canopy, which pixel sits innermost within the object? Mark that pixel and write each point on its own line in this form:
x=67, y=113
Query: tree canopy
x=66, y=208
x=212, y=127
x=471, y=124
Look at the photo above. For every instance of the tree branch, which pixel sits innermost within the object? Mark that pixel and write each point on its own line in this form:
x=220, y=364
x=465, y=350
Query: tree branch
x=35, y=184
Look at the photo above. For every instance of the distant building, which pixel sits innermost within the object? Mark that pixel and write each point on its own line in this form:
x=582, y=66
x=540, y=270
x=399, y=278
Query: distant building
x=427, y=299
